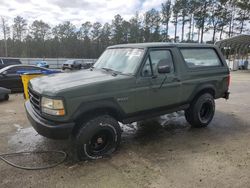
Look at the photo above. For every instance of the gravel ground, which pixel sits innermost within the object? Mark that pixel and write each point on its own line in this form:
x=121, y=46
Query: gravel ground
x=163, y=152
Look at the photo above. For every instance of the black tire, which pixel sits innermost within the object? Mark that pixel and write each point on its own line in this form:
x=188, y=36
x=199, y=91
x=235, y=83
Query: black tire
x=97, y=138
x=201, y=111
x=6, y=97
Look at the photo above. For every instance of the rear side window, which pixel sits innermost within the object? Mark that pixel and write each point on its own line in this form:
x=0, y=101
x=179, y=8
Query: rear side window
x=206, y=57
x=11, y=61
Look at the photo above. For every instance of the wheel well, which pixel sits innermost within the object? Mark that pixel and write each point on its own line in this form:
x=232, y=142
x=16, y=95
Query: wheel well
x=205, y=90
x=93, y=113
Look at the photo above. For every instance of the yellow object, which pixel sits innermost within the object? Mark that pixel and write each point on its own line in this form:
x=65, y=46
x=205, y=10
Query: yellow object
x=25, y=79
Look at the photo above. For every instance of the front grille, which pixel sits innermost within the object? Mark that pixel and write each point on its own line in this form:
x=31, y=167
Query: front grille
x=34, y=99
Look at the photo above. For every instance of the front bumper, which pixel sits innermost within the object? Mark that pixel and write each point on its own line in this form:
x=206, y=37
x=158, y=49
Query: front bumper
x=226, y=95
x=48, y=128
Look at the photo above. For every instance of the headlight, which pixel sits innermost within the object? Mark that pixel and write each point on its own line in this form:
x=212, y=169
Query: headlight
x=52, y=106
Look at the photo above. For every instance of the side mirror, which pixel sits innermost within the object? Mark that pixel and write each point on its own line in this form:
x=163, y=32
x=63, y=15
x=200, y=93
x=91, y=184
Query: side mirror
x=163, y=69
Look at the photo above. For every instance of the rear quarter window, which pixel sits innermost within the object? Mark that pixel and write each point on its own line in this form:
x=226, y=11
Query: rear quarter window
x=198, y=57
x=11, y=61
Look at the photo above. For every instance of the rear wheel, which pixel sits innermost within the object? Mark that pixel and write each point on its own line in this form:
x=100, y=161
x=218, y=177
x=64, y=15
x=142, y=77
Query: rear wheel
x=98, y=137
x=6, y=97
x=201, y=111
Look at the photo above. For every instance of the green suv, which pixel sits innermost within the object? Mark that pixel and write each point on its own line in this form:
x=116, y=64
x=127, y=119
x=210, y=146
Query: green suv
x=128, y=83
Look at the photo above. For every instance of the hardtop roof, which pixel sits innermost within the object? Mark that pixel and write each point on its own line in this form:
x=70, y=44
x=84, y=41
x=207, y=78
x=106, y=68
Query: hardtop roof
x=160, y=44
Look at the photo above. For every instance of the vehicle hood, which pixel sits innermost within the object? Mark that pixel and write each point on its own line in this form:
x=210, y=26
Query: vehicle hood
x=55, y=83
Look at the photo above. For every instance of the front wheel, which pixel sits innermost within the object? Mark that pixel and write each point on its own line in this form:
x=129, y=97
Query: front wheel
x=98, y=137
x=6, y=97
x=201, y=111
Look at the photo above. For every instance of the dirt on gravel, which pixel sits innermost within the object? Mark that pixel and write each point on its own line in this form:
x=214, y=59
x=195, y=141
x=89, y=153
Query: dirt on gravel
x=161, y=152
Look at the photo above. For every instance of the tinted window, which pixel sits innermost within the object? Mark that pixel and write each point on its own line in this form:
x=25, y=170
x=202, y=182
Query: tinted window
x=158, y=58
x=11, y=61
x=12, y=70
x=77, y=62
x=201, y=57
x=19, y=70
x=31, y=68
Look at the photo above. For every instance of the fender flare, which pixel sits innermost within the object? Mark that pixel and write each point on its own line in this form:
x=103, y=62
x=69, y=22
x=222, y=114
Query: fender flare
x=105, y=104
x=202, y=88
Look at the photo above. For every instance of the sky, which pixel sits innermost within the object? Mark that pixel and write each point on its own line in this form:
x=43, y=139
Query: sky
x=77, y=11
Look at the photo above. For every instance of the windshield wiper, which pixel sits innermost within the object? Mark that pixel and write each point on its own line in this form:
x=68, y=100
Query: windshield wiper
x=114, y=72
x=108, y=69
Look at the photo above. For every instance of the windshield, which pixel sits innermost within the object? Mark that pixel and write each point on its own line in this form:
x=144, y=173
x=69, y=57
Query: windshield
x=69, y=62
x=123, y=60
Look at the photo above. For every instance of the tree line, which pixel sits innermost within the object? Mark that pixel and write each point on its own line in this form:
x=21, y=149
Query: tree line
x=190, y=19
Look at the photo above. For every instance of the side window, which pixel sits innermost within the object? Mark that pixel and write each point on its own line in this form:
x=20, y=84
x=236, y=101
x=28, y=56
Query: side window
x=201, y=57
x=12, y=70
x=11, y=61
x=31, y=68
x=158, y=58
x=146, y=70
x=161, y=58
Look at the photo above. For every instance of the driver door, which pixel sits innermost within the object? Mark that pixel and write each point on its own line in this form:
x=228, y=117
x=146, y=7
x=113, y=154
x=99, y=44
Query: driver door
x=154, y=89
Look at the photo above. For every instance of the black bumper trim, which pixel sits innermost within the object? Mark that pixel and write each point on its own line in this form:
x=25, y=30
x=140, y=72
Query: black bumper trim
x=226, y=95
x=47, y=128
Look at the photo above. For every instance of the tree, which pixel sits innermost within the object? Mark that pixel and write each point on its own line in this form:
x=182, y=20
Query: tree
x=40, y=30
x=117, y=29
x=135, y=29
x=231, y=6
x=201, y=17
x=243, y=13
x=105, y=37
x=221, y=18
x=224, y=18
x=66, y=36
x=65, y=30
x=19, y=28
x=166, y=12
x=215, y=17
x=85, y=30
x=183, y=14
x=6, y=32
x=176, y=10
x=96, y=34
x=152, y=26
x=191, y=7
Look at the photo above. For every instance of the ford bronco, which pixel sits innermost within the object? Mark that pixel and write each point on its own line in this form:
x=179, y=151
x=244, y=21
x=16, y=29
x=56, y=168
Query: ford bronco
x=128, y=83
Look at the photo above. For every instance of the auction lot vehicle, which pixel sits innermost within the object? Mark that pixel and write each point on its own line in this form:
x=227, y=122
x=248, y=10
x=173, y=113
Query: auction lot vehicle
x=10, y=76
x=4, y=62
x=72, y=65
x=43, y=64
x=4, y=94
x=128, y=83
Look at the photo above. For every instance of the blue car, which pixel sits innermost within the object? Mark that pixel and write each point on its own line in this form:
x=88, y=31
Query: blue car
x=43, y=64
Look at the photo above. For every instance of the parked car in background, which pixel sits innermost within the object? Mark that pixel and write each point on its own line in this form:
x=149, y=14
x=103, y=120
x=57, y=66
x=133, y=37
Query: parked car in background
x=72, y=65
x=87, y=65
x=10, y=76
x=4, y=62
x=43, y=64
x=4, y=94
